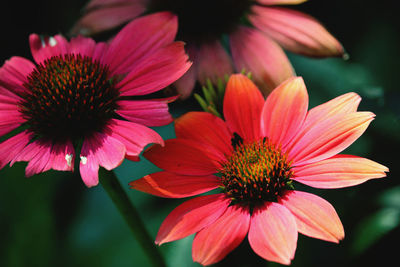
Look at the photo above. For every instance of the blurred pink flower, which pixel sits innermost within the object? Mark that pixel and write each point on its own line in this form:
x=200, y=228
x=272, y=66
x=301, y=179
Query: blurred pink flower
x=79, y=95
x=203, y=25
x=255, y=157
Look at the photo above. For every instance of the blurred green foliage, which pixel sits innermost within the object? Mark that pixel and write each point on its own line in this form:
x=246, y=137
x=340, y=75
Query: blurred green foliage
x=52, y=219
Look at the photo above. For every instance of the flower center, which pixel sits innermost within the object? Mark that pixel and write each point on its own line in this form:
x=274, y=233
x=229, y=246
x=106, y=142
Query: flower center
x=204, y=20
x=256, y=172
x=68, y=97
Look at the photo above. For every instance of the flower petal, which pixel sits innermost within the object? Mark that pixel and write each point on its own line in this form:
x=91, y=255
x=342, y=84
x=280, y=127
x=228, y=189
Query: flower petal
x=186, y=83
x=215, y=241
x=254, y=52
x=339, y=171
x=134, y=136
x=140, y=38
x=156, y=71
x=284, y=111
x=273, y=233
x=295, y=31
x=191, y=216
x=329, y=137
x=153, y=112
x=12, y=147
x=10, y=117
x=315, y=217
x=46, y=47
x=205, y=128
x=99, y=150
x=166, y=184
x=14, y=73
x=184, y=157
x=213, y=62
x=243, y=103
x=106, y=18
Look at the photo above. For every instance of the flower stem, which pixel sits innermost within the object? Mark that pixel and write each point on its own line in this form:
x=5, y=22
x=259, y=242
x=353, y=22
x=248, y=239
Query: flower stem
x=111, y=184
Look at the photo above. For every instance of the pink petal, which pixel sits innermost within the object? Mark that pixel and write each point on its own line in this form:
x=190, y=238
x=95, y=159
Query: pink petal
x=62, y=157
x=254, y=52
x=82, y=45
x=156, y=71
x=140, y=38
x=14, y=73
x=329, y=137
x=99, y=150
x=105, y=3
x=44, y=48
x=134, y=137
x=339, y=171
x=280, y=2
x=243, y=103
x=186, y=83
x=215, y=241
x=10, y=117
x=106, y=18
x=206, y=129
x=213, y=62
x=13, y=146
x=165, y=184
x=284, y=111
x=184, y=157
x=296, y=31
x=152, y=112
x=273, y=233
x=191, y=216
x=315, y=217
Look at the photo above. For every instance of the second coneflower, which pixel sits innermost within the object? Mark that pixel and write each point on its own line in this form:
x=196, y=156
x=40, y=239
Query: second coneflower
x=256, y=156
x=77, y=99
x=203, y=25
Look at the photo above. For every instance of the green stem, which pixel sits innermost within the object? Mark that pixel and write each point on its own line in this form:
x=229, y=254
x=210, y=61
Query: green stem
x=111, y=184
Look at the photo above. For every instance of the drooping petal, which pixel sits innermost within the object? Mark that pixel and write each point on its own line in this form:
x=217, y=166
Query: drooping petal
x=295, y=31
x=172, y=185
x=280, y=2
x=215, y=241
x=99, y=150
x=213, y=62
x=156, y=71
x=12, y=147
x=46, y=47
x=106, y=3
x=254, y=52
x=329, y=137
x=106, y=18
x=14, y=73
x=62, y=157
x=284, y=111
x=10, y=117
x=273, y=233
x=339, y=171
x=184, y=157
x=205, y=128
x=315, y=217
x=243, y=103
x=134, y=136
x=184, y=85
x=140, y=38
x=153, y=112
x=191, y=216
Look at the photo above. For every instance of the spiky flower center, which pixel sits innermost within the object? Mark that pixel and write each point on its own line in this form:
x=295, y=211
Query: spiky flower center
x=68, y=97
x=204, y=20
x=256, y=172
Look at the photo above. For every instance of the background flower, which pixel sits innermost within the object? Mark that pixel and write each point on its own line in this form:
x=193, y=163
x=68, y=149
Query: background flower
x=76, y=98
x=205, y=24
x=254, y=156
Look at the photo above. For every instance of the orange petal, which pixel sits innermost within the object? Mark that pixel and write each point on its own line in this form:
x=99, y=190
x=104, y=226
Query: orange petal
x=315, y=217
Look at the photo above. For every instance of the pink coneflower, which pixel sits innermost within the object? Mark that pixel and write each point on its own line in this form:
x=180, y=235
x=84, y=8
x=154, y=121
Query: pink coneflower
x=80, y=96
x=203, y=25
x=255, y=157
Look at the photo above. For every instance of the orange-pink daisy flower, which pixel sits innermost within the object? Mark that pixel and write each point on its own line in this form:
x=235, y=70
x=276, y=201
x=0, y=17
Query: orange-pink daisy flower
x=206, y=25
x=88, y=98
x=255, y=157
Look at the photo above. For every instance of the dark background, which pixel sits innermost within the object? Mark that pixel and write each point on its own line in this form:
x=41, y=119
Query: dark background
x=52, y=219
